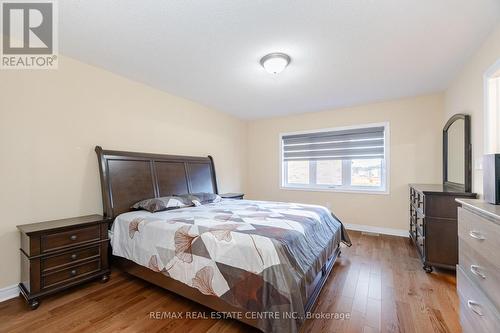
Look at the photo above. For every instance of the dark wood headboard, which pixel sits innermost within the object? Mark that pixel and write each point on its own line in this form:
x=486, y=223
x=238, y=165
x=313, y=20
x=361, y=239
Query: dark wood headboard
x=128, y=177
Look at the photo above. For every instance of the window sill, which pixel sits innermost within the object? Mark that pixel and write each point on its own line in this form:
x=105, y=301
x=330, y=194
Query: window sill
x=338, y=190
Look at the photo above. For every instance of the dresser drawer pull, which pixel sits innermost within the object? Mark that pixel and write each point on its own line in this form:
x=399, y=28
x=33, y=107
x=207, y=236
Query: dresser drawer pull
x=73, y=257
x=477, y=235
x=475, y=307
x=73, y=237
x=73, y=272
x=476, y=270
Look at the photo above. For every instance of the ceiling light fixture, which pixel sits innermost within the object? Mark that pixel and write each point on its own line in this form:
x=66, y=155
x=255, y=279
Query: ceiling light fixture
x=275, y=63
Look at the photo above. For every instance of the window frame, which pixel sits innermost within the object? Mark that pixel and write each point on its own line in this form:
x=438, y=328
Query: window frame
x=346, y=166
x=491, y=116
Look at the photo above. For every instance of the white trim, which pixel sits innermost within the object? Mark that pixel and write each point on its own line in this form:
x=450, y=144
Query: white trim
x=377, y=230
x=361, y=190
x=9, y=292
x=490, y=121
x=385, y=189
x=331, y=129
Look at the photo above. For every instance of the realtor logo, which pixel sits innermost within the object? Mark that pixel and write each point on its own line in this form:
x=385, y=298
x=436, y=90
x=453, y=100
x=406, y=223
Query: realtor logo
x=29, y=35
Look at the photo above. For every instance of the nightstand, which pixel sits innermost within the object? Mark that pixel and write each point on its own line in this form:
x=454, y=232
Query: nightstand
x=232, y=195
x=56, y=255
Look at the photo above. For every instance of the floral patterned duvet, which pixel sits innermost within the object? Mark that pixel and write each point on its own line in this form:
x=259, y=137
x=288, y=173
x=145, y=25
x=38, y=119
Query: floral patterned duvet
x=254, y=255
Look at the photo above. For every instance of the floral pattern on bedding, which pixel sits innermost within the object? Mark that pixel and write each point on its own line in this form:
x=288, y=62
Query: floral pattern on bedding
x=254, y=255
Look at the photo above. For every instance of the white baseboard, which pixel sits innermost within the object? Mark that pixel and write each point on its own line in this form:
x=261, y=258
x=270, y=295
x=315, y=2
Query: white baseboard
x=377, y=230
x=9, y=292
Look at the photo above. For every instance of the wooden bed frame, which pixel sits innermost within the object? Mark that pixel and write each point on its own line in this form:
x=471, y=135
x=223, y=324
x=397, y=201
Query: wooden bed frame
x=128, y=177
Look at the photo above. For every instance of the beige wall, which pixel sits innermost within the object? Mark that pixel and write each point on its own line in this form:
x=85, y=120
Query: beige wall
x=50, y=122
x=415, y=149
x=466, y=95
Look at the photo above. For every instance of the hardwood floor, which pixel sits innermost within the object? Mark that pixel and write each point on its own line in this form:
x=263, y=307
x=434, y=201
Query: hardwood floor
x=379, y=281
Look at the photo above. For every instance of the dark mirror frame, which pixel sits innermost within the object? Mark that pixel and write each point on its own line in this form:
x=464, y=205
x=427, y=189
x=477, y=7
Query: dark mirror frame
x=467, y=187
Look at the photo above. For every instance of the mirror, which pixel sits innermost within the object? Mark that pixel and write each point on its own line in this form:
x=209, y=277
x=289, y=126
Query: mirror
x=457, y=171
x=456, y=149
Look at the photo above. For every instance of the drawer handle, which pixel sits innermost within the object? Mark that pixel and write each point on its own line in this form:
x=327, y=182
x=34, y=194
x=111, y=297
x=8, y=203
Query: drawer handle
x=73, y=237
x=476, y=270
x=73, y=256
x=475, y=307
x=73, y=272
x=477, y=235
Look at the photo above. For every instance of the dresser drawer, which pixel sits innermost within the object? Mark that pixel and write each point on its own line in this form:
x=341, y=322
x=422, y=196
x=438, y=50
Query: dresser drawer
x=59, y=240
x=466, y=322
x=417, y=199
x=419, y=223
x=420, y=244
x=485, y=273
x=70, y=257
x=74, y=272
x=480, y=234
x=413, y=227
x=475, y=309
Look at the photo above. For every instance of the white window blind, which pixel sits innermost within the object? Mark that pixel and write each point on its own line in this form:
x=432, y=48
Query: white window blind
x=359, y=143
x=352, y=159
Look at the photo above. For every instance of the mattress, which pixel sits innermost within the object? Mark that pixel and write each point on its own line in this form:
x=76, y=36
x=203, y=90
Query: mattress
x=258, y=256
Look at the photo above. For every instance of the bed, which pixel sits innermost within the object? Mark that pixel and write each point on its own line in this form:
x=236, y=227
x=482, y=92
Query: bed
x=263, y=263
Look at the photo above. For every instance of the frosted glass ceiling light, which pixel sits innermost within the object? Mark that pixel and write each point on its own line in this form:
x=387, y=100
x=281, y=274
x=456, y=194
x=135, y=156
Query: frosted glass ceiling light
x=275, y=63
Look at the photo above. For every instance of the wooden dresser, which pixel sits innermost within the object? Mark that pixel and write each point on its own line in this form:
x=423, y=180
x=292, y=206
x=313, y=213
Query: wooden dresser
x=56, y=255
x=433, y=224
x=478, y=272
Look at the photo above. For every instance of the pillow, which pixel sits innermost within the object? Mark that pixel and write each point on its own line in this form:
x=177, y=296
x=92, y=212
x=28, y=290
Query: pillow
x=200, y=198
x=159, y=204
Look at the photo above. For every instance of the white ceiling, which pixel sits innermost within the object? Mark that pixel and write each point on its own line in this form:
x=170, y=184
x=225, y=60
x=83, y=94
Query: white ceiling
x=344, y=52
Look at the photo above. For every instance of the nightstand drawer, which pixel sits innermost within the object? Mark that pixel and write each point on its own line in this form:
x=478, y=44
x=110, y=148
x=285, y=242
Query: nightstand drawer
x=67, y=258
x=54, y=278
x=59, y=240
x=59, y=254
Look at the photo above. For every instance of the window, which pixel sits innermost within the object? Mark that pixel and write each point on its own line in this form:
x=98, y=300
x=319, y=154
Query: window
x=343, y=159
x=492, y=109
